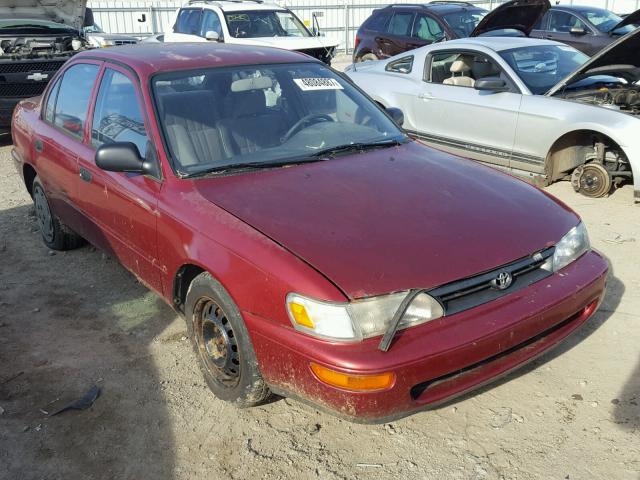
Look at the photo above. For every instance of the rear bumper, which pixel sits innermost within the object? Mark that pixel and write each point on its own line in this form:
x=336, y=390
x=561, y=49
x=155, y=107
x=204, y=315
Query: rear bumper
x=441, y=359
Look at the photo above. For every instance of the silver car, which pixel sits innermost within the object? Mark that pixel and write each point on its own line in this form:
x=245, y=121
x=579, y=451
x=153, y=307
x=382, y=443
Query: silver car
x=534, y=107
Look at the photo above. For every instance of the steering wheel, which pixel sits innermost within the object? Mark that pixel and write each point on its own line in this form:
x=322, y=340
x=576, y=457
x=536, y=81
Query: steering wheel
x=303, y=122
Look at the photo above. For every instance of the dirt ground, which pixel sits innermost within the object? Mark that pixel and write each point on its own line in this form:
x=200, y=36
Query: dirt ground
x=72, y=320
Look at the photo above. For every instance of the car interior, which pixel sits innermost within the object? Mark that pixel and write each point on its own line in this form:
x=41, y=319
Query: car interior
x=462, y=69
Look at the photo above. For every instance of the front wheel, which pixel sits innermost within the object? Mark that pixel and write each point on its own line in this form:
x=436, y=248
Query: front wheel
x=221, y=341
x=591, y=180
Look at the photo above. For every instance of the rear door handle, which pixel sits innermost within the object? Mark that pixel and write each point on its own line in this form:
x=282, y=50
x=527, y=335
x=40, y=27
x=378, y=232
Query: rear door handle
x=38, y=145
x=85, y=175
x=425, y=96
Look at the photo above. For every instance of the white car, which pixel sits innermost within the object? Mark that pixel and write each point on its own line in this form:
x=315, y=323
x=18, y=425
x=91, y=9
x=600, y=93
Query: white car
x=535, y=107
x=248, y=22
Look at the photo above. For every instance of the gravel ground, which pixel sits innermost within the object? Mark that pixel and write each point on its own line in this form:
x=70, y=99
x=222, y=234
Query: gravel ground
x=72, y=320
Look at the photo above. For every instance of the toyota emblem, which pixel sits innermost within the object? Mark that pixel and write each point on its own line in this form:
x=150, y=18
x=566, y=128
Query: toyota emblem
x=502, y=281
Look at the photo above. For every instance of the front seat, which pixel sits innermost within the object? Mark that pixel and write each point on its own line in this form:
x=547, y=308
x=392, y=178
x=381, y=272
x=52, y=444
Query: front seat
x=190, y=121
x=461, y=66
x=250, y=125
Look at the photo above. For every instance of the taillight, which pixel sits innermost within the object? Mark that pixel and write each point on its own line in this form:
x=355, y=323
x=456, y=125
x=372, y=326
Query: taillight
x=357, y=42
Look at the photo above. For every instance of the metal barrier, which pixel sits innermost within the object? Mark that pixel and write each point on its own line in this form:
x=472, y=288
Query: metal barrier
x=338, y=19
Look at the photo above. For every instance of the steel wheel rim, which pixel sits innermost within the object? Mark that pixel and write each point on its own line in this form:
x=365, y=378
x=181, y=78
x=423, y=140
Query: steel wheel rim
x=594, y=182
x=43, y=214
x=217, y=344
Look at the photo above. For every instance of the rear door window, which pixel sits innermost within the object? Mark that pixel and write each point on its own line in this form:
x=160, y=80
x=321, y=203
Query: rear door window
x=70, y=113
x=188, y=21
x=400, y=24
x=117, y=116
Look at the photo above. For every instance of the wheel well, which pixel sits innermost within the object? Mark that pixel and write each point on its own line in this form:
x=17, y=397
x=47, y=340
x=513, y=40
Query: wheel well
x=184, y=277
x=29, y=174
x=569, y=151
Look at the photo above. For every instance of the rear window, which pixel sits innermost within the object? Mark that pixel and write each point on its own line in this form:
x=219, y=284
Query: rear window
x=70, y=113
x=400, y=24
x=377, y=21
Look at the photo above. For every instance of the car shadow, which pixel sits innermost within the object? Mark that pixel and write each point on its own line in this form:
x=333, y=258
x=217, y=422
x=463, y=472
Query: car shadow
x=68, y=321
x=626, y=412
x=613, y=295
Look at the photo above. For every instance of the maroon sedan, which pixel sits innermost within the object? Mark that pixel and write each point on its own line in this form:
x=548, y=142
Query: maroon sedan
x=314, y=250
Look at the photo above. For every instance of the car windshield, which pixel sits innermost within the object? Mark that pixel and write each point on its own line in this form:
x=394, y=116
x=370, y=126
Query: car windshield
x=604, y=20
x=464, y=21
x=95, y=28
x=540, y=67
x=265, y=23
x=224, y=119
x=30, y=26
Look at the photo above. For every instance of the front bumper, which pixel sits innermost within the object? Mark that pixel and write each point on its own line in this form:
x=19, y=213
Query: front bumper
x=439, y=360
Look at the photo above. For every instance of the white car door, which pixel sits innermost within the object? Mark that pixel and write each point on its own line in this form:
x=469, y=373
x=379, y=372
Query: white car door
x=451, y=114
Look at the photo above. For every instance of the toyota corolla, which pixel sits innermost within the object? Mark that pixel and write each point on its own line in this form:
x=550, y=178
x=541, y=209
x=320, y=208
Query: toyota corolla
x=314, y=249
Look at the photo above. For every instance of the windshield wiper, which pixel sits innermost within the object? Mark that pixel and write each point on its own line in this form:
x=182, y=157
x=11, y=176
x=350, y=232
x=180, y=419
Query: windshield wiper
x=243, y=167
x=356, y=147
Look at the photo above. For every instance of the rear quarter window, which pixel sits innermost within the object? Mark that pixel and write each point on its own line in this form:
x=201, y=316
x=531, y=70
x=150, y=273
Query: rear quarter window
x=377, y=22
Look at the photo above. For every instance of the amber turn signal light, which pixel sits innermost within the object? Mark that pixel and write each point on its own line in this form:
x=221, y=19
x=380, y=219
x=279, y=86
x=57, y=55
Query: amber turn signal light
x=357, y=383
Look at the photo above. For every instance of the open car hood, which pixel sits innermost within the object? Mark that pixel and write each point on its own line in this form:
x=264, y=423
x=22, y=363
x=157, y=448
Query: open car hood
x=620, y=58
x=521, y=15
x=68, y=12
x=631, y=19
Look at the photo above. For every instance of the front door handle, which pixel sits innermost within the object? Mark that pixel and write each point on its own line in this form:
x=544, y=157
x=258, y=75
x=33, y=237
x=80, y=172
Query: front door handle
x=85, y=175
x=38, y=145
x=425, y=96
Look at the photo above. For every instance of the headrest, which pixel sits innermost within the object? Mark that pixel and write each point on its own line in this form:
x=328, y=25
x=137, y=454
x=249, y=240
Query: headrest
x=253, y=83
x=248, y=102
x=461, y=65
x=195, y=105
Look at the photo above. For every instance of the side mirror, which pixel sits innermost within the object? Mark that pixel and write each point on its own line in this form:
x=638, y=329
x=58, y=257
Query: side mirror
x=88, y=18
x=396, y=115
x=577, y=31
x=212, y=36
x=491, y=84
x=121, y=157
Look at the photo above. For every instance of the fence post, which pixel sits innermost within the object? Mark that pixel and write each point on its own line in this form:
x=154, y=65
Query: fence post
x=346, y=26
x=152, y=18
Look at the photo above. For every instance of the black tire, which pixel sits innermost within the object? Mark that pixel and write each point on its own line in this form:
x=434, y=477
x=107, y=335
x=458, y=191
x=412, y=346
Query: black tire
x=367, y=57
x=221, y=342
x=55, y=234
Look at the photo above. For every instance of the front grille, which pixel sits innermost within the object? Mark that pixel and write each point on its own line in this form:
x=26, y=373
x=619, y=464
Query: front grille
x=26, y=67
x=473, y=291
x=22, y=90
x=125, y=42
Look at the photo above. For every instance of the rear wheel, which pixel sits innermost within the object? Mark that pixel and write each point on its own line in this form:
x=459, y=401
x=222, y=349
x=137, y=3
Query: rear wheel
x=55, y=234
x=592, y=180
x=221, y=341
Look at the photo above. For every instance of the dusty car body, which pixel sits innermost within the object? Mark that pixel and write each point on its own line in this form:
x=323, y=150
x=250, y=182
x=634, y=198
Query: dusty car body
x=35, y=41
x=587, y=29
x=534, y=107
x=271, y=244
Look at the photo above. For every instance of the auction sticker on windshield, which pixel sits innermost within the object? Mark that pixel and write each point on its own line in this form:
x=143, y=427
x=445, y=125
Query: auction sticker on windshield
x=320, y=83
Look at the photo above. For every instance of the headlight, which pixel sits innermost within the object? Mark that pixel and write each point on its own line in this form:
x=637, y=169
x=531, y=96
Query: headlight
x=359, y=319
x=109, y=43
x=569, y=248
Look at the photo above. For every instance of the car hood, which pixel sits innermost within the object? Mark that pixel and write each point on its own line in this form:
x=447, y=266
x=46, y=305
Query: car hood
x=289, y=43
x=68, y=12
x=618, y=58
x=394, y=219
x=631, y=19
x=519, y=15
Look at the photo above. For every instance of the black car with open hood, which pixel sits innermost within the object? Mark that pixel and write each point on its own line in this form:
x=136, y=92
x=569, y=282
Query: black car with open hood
x=518, y=15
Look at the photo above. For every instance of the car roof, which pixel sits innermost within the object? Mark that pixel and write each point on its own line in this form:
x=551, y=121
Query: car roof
x=499, y=44
x=234, y=5
x=440, y=8
x=148, y=58
x=578, y=8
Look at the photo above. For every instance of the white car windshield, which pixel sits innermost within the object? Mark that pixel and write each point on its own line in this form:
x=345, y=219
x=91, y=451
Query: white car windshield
x=236, y=118
x=265, y=23
x=540, y=67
